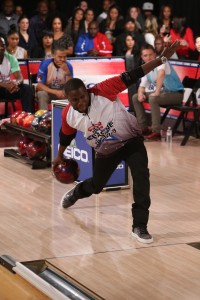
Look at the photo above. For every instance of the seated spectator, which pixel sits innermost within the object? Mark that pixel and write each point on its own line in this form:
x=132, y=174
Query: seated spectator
x=159, y=45
x=131, y=28
x=195, y=55
x=83, y=5
x=52, y=75
x=57, y=26
x=165, y=20
x=160, y=86
x=134, y=13
x=75, y=26
x=7, y=17
x=89, y=16
x=113, y=24
x=13, y=44
x=150, y=30
x=13, y=88
x=27, y=39
x=181, y=32
x=93, y=43
x=45, y=49
x=106, y=5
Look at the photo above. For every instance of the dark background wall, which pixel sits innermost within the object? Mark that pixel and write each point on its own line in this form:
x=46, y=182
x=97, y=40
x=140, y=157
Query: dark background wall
x=188, y=8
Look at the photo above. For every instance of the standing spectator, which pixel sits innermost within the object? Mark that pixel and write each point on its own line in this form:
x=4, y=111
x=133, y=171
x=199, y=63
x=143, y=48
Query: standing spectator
x=13, y=88
x=7, y=17
x=52, y=75
x=75, y=26
x=93, y=43
x=57, y=26
x=181, y=32
x=89, y=16
x=161, y=86
x=44, y=50
x=19, y=10
x=13, y=44
x=38, y=22
x=27, y=38
x=113, y=24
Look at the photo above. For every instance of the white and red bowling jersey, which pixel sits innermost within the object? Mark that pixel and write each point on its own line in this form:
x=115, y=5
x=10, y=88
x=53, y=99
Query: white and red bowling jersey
x=107, y=126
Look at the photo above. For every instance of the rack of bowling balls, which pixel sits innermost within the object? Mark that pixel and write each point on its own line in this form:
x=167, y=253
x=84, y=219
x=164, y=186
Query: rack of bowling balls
x=34, y=145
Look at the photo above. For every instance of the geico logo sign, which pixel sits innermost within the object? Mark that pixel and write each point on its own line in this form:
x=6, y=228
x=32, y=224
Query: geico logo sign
x=120, y=167
x=77, y=154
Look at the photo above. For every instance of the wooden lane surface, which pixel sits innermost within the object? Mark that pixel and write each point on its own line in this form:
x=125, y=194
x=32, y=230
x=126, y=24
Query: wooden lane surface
x=14, y=287
x=96, y=232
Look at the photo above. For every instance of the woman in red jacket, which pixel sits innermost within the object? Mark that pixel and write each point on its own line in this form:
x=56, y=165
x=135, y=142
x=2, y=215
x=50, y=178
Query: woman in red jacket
x=183, y=33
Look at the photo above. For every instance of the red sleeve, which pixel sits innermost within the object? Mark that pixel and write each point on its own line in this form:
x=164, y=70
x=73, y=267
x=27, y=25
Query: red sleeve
x=109, y=88
x=66, y=129
x=102, y=43
x=190, y=38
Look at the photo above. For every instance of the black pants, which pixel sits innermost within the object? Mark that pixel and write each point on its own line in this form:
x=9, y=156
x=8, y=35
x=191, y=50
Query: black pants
x=25, y=94
x=135, y=155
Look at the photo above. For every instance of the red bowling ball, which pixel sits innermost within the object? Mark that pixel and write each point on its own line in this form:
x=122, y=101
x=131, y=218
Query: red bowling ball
x=67, y=172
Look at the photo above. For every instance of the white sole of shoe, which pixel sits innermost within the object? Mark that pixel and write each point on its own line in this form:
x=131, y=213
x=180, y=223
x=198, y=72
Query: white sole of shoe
x=142, y=240
x=62, y=199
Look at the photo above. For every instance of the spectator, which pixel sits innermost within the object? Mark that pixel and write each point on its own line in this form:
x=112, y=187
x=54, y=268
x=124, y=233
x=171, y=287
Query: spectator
x=131, y=28
x=113, y=24
x=83, y=5
x=38, y=21
x=165, y=20
x=89, y=17
x=27, y=38
x=161, y=86
x=181, y=32
x=19, y=10
x=13, y=44
x=150, y=30
x=57, y=26
x=93, y=43
x=7, y=17
x=195, y=55
x=106, y=6
x=13, y=88
x=159, y=46
x=52, y=75
x=75, y=26
x=44, y=50
x=134, y=13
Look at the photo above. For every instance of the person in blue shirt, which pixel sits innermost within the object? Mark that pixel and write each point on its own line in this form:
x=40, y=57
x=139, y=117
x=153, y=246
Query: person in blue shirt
x=52, y=75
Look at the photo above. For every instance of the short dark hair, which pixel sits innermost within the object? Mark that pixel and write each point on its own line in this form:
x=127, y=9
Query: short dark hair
x=147, y=46
x=57, y=46
x=73, y=84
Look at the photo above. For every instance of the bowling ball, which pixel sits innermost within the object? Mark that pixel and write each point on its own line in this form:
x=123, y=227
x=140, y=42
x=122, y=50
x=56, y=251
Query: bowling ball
x=22, y=145
x=35, y=123
x=67, y=172
x=40, y=112
x=13, y=117
x=36, y=150
x=44, y=126
x=21, y=117
x=28, y=120
x=47, y=115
